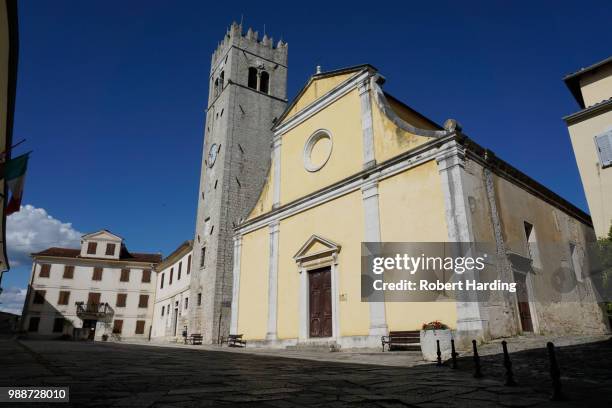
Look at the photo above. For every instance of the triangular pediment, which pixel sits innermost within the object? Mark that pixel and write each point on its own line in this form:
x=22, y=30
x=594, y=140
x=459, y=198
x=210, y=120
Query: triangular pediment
x=316, y=246
x=319, y=85
x=102, y=235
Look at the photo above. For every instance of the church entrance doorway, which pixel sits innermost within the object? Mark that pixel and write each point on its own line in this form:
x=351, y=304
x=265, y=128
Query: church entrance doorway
x=320, y=302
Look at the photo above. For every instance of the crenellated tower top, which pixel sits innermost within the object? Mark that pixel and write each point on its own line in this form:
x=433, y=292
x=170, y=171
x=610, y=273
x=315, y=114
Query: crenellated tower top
x=250, y=42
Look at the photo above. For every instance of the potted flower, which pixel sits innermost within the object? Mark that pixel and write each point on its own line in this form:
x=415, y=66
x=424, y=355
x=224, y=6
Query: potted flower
x=430, y=333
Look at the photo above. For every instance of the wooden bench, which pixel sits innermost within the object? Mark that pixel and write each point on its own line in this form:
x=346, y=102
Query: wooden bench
x=235, y=340
x=194, y=339
x=408, y=340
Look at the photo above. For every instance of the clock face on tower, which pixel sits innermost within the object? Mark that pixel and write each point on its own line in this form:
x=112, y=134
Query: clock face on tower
x=212, y=154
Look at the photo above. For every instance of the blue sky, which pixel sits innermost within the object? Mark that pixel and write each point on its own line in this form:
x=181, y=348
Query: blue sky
x=111, y=95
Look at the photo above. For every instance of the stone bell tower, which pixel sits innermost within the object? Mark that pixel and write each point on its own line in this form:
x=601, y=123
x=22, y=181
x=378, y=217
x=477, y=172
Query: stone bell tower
x=247, y=93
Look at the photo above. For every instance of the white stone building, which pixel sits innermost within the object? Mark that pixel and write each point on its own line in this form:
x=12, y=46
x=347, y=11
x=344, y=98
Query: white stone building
x=99, y=289
x=172, y=297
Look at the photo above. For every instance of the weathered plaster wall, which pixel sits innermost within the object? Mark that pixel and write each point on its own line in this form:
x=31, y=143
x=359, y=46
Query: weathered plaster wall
x=500, y=205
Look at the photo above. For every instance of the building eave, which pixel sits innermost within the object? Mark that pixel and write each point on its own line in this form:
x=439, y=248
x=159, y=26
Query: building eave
x=572, y=81
x=597, y=109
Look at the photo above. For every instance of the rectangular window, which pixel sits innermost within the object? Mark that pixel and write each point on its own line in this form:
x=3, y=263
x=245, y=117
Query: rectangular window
x=92, y=248
x=93, y=298
x=202, y=257
x=68, y=271
x=171, y=273
x=125, y=275
x=58, y=325
x=162, y=311
x=146, y=275
x=143, y=301
x=45, y=270
x=121, y=299
x=199, y=299
x=178, y=277
x=161, y=281
x=110, y=249
x=97, y=273
x=604, y=148
x=532, y=245
x=33, y=324
x=140, y=326
x=64, y=297
x=576, y=254
x=117, y=326
x=188, y=264
x=39, y=297
x=186, y=303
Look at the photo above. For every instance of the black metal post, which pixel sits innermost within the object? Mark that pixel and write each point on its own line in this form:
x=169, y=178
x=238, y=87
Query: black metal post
x=477, y=372
x=453, y=354
x=555, y=374
x=439, y=353
x=508, y=364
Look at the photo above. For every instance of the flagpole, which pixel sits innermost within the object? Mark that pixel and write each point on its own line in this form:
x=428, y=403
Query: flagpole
x=12, y=147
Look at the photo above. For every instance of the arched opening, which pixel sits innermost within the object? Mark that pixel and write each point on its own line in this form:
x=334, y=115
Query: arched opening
x=252, y=82
x=264, y=82
x=221, y=81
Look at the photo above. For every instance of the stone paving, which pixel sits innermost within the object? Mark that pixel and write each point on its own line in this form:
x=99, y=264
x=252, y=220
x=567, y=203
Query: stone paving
x=124, y=375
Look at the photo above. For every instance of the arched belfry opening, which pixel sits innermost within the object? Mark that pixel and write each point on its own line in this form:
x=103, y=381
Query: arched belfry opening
x=252, y=83
x=264, y=82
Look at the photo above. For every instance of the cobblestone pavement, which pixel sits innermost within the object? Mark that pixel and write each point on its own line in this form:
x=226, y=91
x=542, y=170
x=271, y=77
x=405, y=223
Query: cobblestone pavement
x=114, y=375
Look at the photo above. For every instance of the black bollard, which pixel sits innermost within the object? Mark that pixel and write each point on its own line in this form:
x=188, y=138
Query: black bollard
x=555, y=374
x=477, y=373
x=508, y=364
x=439, y=353
x=453, y=354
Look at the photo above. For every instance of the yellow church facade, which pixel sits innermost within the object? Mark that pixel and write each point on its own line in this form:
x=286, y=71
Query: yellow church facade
x=352, y=164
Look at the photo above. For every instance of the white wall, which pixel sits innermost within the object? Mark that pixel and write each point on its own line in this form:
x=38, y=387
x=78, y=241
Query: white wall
x=82, y=284
x=168, y=296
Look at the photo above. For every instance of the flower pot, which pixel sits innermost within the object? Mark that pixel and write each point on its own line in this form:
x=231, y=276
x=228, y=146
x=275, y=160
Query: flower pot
x=428, y=344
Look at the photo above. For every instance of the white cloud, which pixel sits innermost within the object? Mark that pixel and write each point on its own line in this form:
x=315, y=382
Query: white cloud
x=32, y=230
x=11, y=300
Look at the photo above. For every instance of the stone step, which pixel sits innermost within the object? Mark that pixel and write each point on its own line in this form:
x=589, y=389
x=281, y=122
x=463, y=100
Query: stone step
x=315, y=346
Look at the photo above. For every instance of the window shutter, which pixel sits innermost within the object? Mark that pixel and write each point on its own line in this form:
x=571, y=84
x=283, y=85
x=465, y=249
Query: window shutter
x=117, y=326
x=68, y=272
x=64, y=297
x=604, y=148
x=140, y=326
x=189, y=265
x=91, y=248
x=121, y=299
x=143, y=301
x=97, y=274
x=125, y=275
x=110, y=249
x=146, y=275
x=45, y=269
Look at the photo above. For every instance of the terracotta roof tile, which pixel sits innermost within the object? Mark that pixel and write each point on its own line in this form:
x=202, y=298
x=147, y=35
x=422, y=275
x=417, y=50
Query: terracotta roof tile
x=76, y=253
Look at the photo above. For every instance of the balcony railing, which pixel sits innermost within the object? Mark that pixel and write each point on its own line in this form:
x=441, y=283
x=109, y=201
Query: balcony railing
x=93, y=310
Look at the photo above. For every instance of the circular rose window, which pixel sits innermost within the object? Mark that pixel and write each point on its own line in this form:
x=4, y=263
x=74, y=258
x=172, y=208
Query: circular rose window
x=317, y=150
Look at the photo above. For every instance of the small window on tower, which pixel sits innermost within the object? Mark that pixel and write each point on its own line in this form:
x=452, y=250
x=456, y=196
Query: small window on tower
x=203, y=257
x=264, y=81
x=221, y=81
x=252, y=78
x=216, y=89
